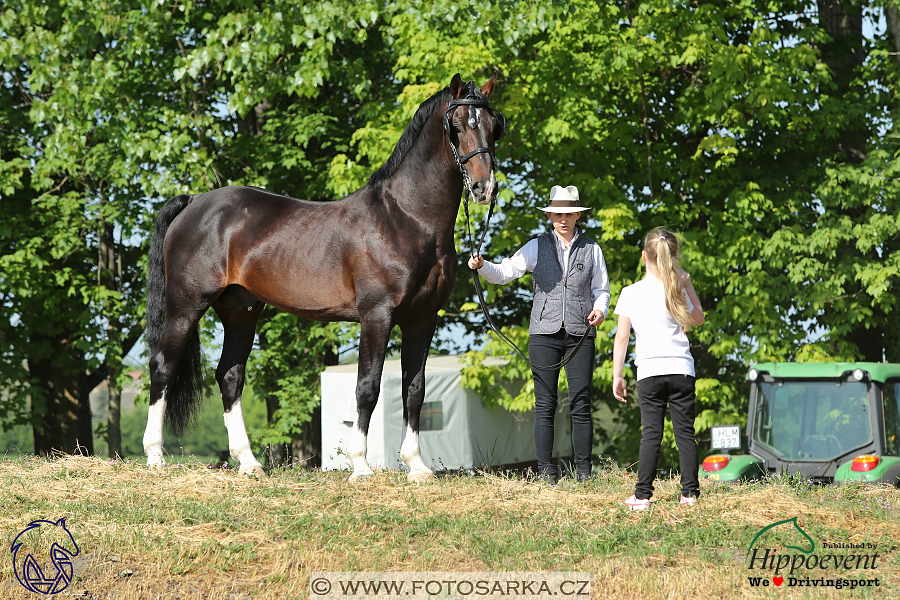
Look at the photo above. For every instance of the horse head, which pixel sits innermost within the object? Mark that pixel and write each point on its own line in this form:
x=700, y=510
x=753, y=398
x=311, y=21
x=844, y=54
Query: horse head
x=473, y=127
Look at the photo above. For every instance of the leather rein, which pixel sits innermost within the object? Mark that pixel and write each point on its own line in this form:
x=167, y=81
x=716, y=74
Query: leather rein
x=473, y=102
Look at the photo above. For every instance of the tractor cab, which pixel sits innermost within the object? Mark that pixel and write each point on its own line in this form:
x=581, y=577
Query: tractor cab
x=824, y=421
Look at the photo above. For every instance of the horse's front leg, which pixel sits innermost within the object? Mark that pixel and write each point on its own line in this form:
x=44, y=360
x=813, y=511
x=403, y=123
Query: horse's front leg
x=413, y=353
x=375, y=329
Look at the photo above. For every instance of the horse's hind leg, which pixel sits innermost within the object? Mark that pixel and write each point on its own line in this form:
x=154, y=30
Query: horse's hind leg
x=240, y=329
x=373, y=337
x=413, y=353
x=176, y=333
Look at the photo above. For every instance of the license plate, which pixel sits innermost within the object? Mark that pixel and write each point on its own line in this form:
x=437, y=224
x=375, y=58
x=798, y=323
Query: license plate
x=726, y=437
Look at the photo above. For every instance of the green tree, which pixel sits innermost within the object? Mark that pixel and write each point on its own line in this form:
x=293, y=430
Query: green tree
x=763, y=131
x=731, y=122
x=96, y=130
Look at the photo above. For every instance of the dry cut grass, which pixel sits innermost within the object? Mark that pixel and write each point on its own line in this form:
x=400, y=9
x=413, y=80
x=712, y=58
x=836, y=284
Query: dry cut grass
x=189, y=532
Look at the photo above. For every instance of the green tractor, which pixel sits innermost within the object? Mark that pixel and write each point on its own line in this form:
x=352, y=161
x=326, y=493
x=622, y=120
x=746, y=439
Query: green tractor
x=829, y=422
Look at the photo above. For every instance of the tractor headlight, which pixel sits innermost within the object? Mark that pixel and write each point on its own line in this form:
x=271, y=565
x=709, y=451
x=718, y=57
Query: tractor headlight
x=858, y=374
x=753, y=375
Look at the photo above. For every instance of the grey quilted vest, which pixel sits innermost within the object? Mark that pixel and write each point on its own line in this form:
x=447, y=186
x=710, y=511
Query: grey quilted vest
x=562, y=301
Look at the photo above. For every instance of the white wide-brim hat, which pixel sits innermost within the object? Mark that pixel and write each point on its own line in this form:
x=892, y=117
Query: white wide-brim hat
x=564, y=200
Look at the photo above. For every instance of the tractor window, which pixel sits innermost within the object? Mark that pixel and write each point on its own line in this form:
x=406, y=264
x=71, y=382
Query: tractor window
x=892, y=417
x=812, y=420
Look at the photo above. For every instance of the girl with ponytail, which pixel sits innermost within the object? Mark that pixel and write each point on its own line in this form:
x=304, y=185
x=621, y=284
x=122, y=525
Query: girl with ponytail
x=661, y=308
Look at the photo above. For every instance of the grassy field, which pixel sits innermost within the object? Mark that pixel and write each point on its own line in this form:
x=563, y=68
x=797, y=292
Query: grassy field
x=191, y=532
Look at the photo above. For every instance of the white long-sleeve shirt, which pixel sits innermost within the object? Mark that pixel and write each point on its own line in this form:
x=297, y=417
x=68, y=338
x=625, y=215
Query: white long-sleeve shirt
x=525, y=259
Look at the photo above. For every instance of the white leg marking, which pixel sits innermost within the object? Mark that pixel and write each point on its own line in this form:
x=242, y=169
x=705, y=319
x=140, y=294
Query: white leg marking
x=239, y=443
x=356, y=451
x=153, y=435
x=409, y=454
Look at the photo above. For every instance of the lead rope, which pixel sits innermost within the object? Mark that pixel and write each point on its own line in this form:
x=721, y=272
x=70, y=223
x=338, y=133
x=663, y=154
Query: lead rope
x=479, y=291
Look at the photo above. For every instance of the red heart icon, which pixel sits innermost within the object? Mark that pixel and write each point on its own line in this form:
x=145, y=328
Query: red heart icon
x=777, y=580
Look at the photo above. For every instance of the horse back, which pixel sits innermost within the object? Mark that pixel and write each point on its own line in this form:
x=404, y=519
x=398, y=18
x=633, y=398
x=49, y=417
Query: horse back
x=284, y=251
x=319, y=260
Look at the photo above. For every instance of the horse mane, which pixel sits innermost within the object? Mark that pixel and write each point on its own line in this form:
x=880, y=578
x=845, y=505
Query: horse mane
x=414, y=129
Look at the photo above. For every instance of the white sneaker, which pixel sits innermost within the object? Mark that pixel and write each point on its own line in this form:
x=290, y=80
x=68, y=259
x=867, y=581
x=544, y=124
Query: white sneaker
x=688, y=501
x=637, y=503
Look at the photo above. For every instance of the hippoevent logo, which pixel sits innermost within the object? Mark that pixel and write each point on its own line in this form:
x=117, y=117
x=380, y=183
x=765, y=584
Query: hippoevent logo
x=42, y=556
x=783, y=554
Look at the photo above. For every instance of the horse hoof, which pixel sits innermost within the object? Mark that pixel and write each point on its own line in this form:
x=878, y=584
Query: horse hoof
x=359, y=477
x=420, y=477
x=252, y=471
x=157, y=467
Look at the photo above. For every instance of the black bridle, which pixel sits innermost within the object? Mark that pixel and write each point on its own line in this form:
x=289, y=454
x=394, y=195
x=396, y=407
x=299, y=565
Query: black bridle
x=474, y=102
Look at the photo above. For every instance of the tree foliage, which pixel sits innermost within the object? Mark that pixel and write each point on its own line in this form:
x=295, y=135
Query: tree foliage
x=762, y=131
x=739, y=125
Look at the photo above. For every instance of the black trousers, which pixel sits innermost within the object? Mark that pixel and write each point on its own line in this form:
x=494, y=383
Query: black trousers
x=546, y=350
x=654, y=393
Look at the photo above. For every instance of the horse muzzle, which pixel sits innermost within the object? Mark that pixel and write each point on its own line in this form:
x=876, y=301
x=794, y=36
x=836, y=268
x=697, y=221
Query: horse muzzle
x=483, y=190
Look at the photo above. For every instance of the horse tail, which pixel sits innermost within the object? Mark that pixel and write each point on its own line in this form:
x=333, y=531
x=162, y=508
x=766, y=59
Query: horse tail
x=185, y=390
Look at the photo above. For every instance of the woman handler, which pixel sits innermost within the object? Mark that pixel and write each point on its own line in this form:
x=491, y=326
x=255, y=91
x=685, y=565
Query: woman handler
x=571, y=295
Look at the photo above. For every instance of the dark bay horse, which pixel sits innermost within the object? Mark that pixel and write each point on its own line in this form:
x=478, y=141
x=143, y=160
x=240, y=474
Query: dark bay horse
x=382, y=256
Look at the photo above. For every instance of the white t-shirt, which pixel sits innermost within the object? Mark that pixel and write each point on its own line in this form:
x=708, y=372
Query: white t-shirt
x=661, y=346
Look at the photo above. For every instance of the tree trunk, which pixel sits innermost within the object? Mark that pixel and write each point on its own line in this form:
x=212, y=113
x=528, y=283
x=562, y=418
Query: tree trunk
x=307, y=448
x=276, y=454
x=114, y=431
x=61, y=409
x=844, y=54
x=893, y=25
x=110, y=274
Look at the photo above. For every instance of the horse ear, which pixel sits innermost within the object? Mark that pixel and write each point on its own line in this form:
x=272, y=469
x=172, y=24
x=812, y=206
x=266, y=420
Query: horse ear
x=488, y=88
x=456, y=86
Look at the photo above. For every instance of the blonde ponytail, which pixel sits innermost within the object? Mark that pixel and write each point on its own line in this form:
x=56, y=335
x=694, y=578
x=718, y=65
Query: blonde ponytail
x=661, y=246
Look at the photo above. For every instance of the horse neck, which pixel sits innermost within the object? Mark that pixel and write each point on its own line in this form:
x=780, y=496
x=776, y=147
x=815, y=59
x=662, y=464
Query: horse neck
x=428, y=185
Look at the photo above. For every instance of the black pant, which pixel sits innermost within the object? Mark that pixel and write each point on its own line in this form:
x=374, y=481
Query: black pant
x=654, y=393
x=546, y=350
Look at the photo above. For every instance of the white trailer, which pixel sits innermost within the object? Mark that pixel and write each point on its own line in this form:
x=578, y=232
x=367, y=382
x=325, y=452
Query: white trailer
x=457, y=431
